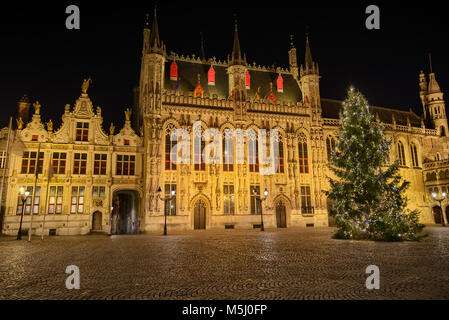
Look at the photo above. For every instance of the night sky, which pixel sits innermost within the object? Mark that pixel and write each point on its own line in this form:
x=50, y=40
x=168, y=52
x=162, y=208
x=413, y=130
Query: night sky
x=40, y=57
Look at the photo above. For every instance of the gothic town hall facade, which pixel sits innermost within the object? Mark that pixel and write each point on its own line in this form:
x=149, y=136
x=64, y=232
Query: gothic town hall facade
x=85, y=173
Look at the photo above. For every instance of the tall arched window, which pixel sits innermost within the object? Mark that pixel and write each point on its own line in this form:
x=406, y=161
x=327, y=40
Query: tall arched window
x=174, y=71
x=170, y=154
x=279, y=154
x=198, y=146
x=401, y=154
x=414, y=154
x=303, y=156
x=228, y=151
x=253, y=151
x=330, y=147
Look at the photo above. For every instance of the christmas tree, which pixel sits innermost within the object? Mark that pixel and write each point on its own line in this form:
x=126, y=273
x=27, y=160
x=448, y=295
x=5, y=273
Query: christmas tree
x=368, y=200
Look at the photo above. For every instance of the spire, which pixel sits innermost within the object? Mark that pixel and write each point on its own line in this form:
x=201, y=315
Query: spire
x=308, y=56
x=236, y=57
x=433, y=84
x=203, y=55
x=146, y=35
x=155, y=41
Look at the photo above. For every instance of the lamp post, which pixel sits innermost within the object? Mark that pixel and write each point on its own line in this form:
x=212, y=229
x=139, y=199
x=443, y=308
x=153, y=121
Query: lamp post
x=166, y=200
x=261, y=199
x=23, y=194
x=440, y=200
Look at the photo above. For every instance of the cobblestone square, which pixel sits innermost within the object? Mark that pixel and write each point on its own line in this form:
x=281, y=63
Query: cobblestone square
x=294, y=263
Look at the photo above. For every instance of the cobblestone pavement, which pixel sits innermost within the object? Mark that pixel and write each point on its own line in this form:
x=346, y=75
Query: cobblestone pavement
x=227, y=264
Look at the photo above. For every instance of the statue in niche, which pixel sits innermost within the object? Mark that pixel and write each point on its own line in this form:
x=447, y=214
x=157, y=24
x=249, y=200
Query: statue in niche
x=85, y=85
x=37, y=107
x=19, y=123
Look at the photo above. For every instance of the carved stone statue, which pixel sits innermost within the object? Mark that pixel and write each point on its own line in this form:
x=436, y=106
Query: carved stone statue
x=85, y=85
x=37, y=107
x=50, y=126
x=111, y=129
x=19, y=123
x=128, y=113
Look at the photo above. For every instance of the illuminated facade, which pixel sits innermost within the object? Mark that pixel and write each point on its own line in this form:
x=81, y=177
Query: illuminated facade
x=94, y=172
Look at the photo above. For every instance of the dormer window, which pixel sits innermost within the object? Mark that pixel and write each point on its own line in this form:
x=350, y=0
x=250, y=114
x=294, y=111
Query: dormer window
x=126, y=142
x=280, y=84
x=248, y=80
x=211, y=76
x=35, y=137
x=82, y=131
x=174, y=71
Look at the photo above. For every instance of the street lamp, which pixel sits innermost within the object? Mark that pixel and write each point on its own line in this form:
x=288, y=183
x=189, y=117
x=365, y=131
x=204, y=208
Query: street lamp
x=440, y=200
x=166, y=201
x=261, y=199
x=23, y=194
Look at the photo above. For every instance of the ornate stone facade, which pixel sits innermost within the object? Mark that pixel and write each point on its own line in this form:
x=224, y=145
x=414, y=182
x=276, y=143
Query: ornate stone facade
x=174, y=92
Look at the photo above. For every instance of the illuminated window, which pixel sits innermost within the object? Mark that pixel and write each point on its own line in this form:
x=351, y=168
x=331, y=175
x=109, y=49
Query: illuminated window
x=125, y=165
x=34, y=137
x=228, y=151
x=82, y=131
x=228, y=199
x=279, y=155
x=280, y=84
x=306, y=200
x=171, y=209
x=98, y=192
x=126, y=142
x=77, y=203
x=29, y=161
x=79, y=163
x=59, y=162
x=29, y=202
x=401, y=154
x=211, y=76
x=55, y=199
x=303, y=156
x=100, y=161
x=174, y=71
x=255, y=199
x=170, y=154
x=198, y=146
x=248, y=80
x=2, y=159
x=253, y=152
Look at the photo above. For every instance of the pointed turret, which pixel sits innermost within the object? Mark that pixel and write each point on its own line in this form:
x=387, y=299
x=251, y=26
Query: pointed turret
x=292, y=59
x=309, y=67
x=146, y=35
x=156, y=46
x=236, y=56
x=433, y=84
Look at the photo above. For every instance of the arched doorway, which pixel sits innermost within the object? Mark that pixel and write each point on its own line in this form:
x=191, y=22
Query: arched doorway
x=281, y=215
x=97, y=221
x=199, y=218
x=124, y=212
x=437, y=214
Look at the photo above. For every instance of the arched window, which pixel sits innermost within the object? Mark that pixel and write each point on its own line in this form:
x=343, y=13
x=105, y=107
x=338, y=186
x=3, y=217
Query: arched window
x=280, y=84
x=279, y=154
x=211, y=76
x=248, y=80
x=170, y=153
x=437, y=156
x=174, y=71
x=198, y=146
x=414, y=154
x=330, y=147
x=401, y=154
x=303, y=155
x=228, y=151
x=253, y=151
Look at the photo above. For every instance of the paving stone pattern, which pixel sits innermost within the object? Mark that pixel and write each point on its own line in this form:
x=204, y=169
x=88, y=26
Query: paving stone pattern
x=289, y=264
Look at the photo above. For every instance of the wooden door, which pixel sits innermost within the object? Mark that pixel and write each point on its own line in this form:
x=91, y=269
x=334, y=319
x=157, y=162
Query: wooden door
x=96, y=221
x=200, y=215
x=281, y=215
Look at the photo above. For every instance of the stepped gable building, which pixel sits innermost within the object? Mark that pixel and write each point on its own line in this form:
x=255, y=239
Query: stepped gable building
x=103, y=182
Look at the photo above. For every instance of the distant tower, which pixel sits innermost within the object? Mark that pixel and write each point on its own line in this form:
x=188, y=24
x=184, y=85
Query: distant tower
x=24, y=105
x=237, y=76
x=310, y=82
x=292, y=59
x=151, y=71
x=436, y=106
